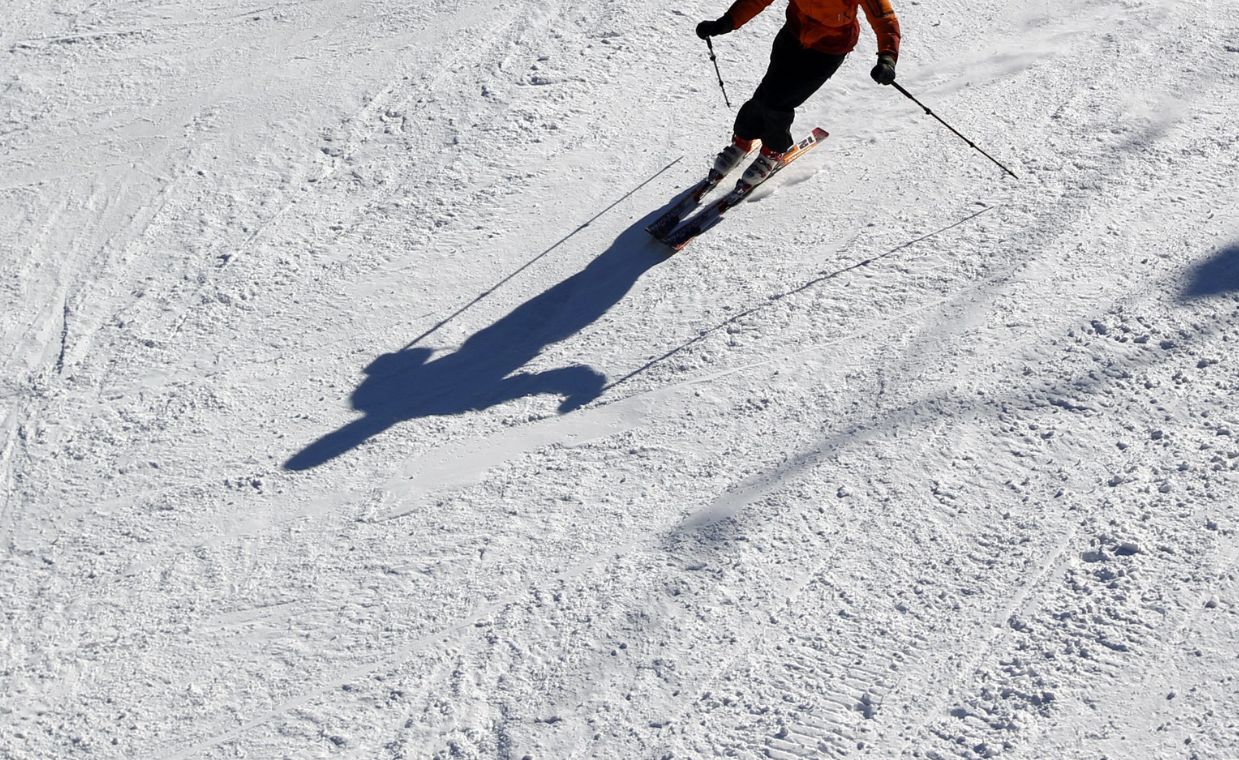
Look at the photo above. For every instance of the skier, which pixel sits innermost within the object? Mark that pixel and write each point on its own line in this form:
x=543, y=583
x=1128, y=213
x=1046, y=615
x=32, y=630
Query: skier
x=807, y=51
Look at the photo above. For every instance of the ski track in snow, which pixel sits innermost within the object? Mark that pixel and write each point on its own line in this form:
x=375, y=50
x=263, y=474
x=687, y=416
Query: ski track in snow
x=903, y=459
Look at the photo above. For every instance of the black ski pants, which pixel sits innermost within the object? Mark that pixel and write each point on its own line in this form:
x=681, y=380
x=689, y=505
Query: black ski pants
x=795, y=73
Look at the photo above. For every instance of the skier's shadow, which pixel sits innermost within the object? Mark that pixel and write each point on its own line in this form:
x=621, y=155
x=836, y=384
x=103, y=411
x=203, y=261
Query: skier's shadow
x=485, y=370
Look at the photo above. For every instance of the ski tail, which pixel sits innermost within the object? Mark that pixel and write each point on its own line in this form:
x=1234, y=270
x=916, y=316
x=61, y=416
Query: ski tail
x=681, y=207
x=686, y=202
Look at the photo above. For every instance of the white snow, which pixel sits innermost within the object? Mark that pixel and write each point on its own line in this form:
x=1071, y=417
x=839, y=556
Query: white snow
x=348, y=411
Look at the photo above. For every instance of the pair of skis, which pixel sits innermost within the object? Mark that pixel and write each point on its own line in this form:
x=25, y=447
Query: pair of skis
x=676, y=232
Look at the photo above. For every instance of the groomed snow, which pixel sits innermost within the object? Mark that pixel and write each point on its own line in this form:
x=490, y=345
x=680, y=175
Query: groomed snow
x=348, y=411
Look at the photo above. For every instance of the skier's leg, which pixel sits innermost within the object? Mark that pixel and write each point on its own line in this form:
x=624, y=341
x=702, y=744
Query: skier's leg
x=777, y=136
x=795, y=73
x=750, y=120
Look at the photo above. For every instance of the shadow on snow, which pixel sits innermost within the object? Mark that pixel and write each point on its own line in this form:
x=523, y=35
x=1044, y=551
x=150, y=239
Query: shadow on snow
x=485, y=370
x=1216, y=276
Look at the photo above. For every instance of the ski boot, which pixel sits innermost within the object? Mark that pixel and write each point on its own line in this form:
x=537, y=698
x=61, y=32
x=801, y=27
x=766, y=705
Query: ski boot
x=763, y=166
x=731, y=156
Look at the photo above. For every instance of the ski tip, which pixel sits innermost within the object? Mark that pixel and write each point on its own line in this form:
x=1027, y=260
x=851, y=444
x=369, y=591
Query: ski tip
x=820, y=134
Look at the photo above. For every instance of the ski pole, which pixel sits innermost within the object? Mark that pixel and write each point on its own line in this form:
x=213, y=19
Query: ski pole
x=714, y=60
x=908, y=95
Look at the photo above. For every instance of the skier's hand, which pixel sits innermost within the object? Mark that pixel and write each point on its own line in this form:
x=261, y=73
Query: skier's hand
x=720, y=25
x=884, y=71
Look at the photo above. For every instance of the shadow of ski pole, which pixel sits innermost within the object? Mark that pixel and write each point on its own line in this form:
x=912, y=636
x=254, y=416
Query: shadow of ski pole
x=535, y=259
x=823, y=277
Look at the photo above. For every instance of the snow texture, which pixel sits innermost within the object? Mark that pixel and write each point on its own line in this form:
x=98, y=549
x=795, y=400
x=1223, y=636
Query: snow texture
x=347, y=410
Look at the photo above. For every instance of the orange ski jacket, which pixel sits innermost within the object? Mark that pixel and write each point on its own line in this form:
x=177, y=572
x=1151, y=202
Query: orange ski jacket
x=828, y=26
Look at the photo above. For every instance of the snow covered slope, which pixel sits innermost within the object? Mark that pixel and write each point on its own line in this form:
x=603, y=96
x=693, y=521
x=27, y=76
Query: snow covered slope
x=349, y=412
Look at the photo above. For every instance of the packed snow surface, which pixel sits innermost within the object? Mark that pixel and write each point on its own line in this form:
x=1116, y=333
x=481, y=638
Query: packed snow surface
x=348, y=410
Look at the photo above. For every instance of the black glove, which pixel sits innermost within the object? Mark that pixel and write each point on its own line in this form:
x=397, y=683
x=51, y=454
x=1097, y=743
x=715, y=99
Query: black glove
x=720, y=25
x=884, y=71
